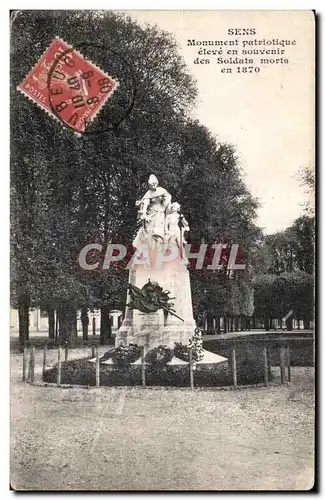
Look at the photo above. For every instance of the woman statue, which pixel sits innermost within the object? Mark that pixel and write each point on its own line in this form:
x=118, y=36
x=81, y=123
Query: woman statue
x=152, y=214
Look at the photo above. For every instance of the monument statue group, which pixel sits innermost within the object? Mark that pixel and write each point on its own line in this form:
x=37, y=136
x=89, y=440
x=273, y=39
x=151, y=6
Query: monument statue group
x=159, y=302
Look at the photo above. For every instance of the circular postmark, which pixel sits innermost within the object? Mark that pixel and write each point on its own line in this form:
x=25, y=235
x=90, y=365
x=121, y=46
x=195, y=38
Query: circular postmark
x=78, y=91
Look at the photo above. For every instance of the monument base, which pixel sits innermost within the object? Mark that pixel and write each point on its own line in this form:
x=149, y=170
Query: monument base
x=209, y=358
x=150, y=330
x=160, y=328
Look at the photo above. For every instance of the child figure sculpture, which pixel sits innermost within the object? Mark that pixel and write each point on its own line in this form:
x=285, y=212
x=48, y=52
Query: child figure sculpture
x=176, y=225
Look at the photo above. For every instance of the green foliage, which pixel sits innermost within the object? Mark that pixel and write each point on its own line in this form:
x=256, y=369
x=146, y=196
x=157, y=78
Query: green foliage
x=304, y=228
x=82, y=372
x=275, y=295
x=263, y=296
x=289, y=250
x=285, y=272
x=219, y=209
x=306, y=177
x=69, y=191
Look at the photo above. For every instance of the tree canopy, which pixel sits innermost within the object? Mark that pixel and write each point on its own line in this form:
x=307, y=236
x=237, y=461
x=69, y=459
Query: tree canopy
x=284, y=272
x=67, y=191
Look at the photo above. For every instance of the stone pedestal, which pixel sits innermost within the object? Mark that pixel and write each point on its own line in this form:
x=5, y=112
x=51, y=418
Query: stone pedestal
x=153, y=329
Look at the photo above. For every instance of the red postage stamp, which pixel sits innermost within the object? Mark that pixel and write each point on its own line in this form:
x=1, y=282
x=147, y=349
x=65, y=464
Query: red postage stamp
x=68, y=86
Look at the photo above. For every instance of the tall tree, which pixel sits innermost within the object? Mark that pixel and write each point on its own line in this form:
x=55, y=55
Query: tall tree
x=285, y=273
x=219, y=209
x=67, y=191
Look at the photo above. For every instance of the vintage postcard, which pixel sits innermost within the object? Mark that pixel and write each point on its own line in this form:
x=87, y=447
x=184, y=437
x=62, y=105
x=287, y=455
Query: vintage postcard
x=162, y=319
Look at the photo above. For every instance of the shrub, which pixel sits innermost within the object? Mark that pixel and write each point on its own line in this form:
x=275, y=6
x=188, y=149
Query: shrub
x=76, y=371
x=250, y=367
x=82, y=372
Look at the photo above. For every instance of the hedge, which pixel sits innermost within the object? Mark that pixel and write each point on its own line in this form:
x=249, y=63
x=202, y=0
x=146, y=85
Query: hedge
x=82, y=372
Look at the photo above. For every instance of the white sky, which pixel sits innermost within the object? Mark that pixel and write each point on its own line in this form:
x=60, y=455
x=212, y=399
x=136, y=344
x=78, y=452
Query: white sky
x=269, y=116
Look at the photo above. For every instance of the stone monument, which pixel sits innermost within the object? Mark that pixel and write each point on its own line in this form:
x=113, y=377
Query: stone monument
x=159, y=258
x=159, y=271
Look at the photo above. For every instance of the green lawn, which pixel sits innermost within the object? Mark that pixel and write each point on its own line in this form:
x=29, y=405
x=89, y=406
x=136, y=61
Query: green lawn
x=158, y=439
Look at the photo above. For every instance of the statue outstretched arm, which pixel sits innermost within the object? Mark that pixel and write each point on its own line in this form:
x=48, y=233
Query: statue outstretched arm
x=144, y=209
x=167, y=200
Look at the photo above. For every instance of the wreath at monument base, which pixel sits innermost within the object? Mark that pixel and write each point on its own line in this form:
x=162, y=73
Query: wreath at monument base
x=181, y=351
x=123, y=355
x=159, y=356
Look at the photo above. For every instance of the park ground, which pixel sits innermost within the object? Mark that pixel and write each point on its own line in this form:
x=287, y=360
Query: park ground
x=158, y=439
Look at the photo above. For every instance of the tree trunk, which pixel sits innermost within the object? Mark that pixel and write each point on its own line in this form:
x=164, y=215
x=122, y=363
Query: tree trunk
x=209, y=324
x=218, y=324
x=84, y=323
x=105, y=325
x=231, y=324
x=266, y=324
x=23, y=315
x=68, y=323
x=306, y=321
x=224, y=324
x=249, y=323
x=242, y=319
x=50, y=313
x=236, y=324
x=204, y=322
x=56, y=325
x=254, y=322
x=289, y=323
